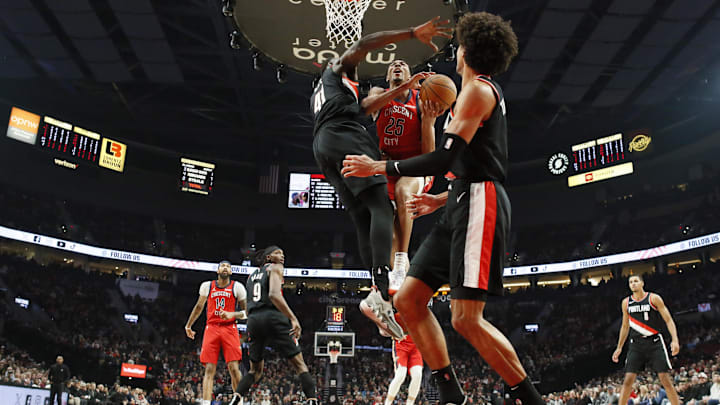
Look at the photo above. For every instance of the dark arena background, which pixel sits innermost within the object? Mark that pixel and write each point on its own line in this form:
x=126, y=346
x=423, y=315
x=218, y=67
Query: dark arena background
x=149, y=140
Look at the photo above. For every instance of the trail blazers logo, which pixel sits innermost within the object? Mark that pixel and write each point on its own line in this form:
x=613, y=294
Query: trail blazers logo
x=112, y=155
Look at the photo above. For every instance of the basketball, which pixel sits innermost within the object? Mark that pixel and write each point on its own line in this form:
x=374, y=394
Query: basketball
x=440, y=89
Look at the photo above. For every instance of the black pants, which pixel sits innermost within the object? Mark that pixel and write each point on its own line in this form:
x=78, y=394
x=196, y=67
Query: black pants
x=56, y=389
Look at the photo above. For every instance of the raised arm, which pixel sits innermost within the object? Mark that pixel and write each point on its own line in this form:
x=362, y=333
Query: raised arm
x=377, y=97
x=423, y=33
x=624, y=329
x=665, y=313
x=275, y=295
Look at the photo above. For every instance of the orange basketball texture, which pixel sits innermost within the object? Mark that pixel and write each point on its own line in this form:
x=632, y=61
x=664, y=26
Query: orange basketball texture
x=440, y=89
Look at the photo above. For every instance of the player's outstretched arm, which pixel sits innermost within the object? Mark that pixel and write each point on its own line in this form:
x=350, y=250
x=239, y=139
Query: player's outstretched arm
x=424, y=33
x=624, y=329
x=665, y=313
x=377, y=97
x=275, y=295
x=194, y=315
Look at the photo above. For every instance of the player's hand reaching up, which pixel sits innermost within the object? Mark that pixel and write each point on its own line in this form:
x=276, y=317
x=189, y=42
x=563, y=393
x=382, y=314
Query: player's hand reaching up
x=430, y=109
x=433, y=28
x=189, y=332
x=413, y=83
x=295, y=328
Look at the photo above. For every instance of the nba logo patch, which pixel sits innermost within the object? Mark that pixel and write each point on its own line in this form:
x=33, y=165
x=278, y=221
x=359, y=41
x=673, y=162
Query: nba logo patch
x=448, y=144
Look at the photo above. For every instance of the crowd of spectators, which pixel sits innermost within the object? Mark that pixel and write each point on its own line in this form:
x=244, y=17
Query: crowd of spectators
x=575, y=322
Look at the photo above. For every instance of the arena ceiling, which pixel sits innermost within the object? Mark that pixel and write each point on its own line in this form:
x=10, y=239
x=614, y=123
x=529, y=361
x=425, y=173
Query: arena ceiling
x=161, y=72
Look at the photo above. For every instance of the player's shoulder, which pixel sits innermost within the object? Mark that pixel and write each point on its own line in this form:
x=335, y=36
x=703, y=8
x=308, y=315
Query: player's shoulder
x=375, y=90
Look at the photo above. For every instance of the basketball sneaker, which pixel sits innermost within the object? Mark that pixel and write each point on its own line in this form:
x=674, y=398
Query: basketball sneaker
x=383, y=310
x=237, y=399
x=397, y=275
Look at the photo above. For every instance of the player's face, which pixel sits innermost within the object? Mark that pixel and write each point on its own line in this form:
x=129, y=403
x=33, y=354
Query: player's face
x=224, y=270
x=277, y=256
x=460, y=59
x=398, y=71
x=635, y=283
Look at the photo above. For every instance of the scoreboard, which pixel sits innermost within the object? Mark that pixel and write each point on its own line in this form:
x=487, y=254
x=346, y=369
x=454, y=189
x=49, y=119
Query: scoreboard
x=335, y=318
x=69, y=140
x=312, y=191
x=598, y=159
x=196, y=176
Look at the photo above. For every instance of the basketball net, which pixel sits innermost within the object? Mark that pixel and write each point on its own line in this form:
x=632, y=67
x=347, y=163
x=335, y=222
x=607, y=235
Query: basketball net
x=344, y=20
x=334, y=349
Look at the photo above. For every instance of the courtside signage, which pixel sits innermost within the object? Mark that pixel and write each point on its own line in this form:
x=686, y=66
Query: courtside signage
x=638, y=255
x=23, y=126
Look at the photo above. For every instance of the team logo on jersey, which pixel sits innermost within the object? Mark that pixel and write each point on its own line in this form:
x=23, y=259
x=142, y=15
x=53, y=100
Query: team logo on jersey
x=558, y=163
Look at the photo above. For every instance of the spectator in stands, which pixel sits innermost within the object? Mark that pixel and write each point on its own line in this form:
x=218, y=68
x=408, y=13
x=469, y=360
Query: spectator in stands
x=59, y=373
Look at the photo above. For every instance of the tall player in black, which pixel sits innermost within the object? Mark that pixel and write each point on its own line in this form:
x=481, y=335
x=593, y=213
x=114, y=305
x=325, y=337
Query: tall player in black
x=466, y=248
x=644, y=317
x=338, y=132
x=271, y=322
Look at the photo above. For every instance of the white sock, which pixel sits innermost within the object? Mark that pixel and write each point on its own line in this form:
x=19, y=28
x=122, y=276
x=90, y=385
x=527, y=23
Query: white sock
x=401, y=261
x=395, y=384
x=415, y=381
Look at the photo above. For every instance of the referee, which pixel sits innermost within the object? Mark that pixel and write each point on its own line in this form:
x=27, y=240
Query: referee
x=58, y=374
x=644, y=315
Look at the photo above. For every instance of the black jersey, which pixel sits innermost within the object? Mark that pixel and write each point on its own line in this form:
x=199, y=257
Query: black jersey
x=258, y=285
x=335, y=98
x=486, y=157
x=645, y=319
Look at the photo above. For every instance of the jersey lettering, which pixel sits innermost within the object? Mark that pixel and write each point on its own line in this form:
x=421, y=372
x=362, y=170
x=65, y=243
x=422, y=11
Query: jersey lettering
x=318, y=98
x=257, y=292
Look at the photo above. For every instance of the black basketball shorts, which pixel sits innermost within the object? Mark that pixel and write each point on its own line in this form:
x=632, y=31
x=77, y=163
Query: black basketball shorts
x=651, y=351
x=268, y=327
x=332, y=142
x=466, y=248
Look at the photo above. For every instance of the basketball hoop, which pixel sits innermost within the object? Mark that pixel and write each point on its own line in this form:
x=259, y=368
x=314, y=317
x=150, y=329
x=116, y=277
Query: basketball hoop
x=344, y=20
x=334, y=350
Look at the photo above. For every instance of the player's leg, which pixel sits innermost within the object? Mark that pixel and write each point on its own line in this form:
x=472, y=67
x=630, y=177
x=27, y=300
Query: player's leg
x=209, y=356
x=232, y=350
x=670, y=390
x=208, y=380
x=493, y=346
x=395, y=384
x=404, y=189
x=415, y=382
x=400, y=361
x=307, y=381
x=626, y=388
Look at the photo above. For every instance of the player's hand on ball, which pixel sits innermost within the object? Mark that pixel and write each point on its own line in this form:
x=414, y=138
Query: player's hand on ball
x=359, y=166
x=616, y=355
x=296, y=329
x=433, y=28
x=414, y=82
x=190, y=333
x=431, y=109
x=674, y=348
x=422, y=204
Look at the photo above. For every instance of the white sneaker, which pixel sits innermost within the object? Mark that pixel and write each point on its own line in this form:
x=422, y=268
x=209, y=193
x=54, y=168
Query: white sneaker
x=398, y=273
x=383, y=310
x=237, y=399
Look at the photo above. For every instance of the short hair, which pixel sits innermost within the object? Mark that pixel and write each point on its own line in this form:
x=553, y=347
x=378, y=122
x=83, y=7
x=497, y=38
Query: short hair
x=224, y=262
x=489, y=41
x=638, y=276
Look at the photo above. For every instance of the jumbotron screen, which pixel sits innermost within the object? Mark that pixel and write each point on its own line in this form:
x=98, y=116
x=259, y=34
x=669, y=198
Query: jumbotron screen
x=599, y=159
x=196, y=176
x=312, y=191
x=69, y=140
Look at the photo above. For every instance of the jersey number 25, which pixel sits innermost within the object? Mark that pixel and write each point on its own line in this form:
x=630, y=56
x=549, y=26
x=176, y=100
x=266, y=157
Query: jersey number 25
x=395, y=126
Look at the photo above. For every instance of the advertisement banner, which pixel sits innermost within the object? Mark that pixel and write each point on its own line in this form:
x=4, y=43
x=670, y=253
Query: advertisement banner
x=11, y=395
x=133, y=370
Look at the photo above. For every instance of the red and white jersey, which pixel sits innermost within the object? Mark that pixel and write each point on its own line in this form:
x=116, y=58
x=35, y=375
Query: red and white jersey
x=223, y=299
x=399, y=129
